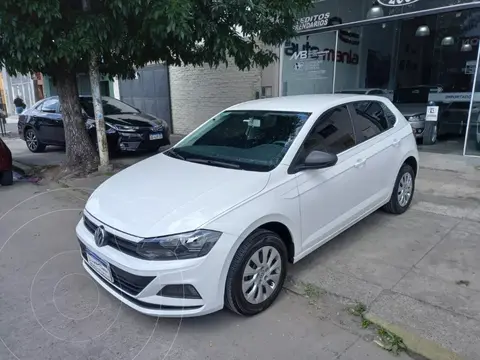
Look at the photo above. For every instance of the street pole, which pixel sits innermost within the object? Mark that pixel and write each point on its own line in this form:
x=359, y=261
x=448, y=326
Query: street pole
x=97, y=105
x=98, y=109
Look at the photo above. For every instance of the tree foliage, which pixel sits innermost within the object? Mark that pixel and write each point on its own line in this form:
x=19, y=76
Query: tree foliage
x=46, y=35
x=56, y=37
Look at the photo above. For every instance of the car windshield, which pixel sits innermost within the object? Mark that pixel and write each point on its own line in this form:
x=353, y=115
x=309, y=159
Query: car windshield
x=246, y=140
x=413, y=95
x=111, y=106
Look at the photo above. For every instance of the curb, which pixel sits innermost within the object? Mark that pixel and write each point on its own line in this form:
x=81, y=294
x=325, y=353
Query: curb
x=414, y=342
x=21, y=168
x=65, y=185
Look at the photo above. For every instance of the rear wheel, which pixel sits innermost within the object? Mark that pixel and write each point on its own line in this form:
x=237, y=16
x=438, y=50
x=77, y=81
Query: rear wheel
x=257, y=273
x=33, y=143
x=403, y=190
x=6, y=178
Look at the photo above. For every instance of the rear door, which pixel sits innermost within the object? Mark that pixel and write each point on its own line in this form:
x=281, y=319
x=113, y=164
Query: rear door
x=378, y=146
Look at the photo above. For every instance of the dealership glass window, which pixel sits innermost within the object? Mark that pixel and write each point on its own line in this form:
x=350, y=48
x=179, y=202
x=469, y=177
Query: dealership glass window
x=308, y=65
x=472, y=137
x=373, y=50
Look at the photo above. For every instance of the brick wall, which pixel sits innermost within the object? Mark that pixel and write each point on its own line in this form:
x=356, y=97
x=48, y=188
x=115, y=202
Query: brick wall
x=198, y=93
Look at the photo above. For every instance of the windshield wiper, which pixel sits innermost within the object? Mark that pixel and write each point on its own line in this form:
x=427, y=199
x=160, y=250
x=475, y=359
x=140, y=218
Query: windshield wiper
x=214, y=163
x=174, y=154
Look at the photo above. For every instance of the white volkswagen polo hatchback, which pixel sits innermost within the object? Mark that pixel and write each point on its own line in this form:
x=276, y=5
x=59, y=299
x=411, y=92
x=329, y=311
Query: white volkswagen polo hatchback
x=213, y=221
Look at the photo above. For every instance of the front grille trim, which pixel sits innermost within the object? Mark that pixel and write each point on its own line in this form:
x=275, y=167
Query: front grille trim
x=114, y=241
x=142, y=303
x=129, y=283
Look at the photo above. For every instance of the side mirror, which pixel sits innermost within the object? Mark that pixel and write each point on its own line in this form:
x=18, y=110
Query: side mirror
x=317, y=160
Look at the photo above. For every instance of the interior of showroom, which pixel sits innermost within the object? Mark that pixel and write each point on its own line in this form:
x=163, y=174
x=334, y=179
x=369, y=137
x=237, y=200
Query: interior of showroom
x=422, y=54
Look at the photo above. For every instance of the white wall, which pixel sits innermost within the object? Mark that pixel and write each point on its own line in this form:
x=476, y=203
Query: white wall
x=198, y=93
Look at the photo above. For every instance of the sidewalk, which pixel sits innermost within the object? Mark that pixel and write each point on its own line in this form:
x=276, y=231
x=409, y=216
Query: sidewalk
x=416, y=273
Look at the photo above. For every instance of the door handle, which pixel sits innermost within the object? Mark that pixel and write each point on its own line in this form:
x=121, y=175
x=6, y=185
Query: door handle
x=360, y=163
x=396, y=143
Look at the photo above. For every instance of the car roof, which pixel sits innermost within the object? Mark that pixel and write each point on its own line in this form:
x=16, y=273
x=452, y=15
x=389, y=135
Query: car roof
x=301, y=103
x=360, y=89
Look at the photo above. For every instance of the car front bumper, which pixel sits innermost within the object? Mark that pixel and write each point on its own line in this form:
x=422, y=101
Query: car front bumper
x=418, y=128
x=138, y=141
x=206, y=274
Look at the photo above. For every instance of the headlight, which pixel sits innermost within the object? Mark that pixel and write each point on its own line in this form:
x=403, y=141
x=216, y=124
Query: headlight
x=180, y=246
x=125, y=128
x=416, y=118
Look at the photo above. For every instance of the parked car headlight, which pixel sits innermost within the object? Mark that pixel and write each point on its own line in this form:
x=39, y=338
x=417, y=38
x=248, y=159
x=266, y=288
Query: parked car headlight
x=124, y=128
x=416, y=118
x=180, y=246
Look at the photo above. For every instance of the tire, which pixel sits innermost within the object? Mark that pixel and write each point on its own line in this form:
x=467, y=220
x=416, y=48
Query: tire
x=33, y=144
x=434, y=136
x=270, y=244
x=398, y=204
x=6, y=178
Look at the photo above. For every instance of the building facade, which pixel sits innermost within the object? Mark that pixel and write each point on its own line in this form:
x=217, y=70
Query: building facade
x=398, y=48
x=198, y=93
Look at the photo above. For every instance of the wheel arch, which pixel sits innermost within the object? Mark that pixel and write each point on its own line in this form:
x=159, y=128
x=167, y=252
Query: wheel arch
x=276, y=223
x=413, y=162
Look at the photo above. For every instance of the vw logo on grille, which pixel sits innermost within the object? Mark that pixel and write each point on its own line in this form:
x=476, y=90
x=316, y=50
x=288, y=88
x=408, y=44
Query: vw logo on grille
x=156, y=128
x=100, y=237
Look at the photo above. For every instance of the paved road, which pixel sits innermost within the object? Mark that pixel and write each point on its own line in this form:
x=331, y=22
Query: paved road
x=50, y=309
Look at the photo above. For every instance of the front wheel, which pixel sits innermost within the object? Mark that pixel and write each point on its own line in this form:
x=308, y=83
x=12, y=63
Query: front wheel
x=257, y=273
x=403, y=190
x=33, y=143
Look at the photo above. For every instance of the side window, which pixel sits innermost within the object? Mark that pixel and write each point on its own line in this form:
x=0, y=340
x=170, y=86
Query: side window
x=372, y=118
x=332, y=133
x=389, y=115
x=50, y=106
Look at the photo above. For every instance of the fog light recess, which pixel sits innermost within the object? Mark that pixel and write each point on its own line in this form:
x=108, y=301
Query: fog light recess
x=180, y=291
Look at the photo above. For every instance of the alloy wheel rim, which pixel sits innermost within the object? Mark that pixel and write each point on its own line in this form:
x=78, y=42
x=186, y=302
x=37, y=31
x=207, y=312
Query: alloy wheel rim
x=405, y=188
x=31, y=139
x=261, y=275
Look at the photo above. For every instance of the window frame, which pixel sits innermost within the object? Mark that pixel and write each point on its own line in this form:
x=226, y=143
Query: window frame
x=50, y=99
x=293, y=167
x=354, y=115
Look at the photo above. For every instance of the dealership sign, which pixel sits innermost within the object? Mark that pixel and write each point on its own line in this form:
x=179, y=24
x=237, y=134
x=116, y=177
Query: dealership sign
x=396, y=2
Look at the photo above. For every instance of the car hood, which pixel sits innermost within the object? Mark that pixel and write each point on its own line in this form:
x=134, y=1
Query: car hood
x=412, y=109
x=162, y=195
x=139, y=119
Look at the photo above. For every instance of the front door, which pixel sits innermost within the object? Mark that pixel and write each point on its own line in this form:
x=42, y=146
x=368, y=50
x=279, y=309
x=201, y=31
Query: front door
x=330, y=198
x=50, y=122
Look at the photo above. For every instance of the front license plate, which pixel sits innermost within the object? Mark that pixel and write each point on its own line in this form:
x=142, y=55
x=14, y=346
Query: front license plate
x=156, y=136
x=100, y=266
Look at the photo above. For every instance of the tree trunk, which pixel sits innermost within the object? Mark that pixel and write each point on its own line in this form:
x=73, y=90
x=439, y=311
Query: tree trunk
x=81, y=155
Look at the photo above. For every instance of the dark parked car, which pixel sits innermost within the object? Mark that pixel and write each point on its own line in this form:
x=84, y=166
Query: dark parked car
x=128, y=129
x=452, y=118
x=6, y=174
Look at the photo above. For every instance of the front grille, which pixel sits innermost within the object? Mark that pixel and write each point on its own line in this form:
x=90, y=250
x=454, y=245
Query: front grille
x=144, y=304
x=123, y=245
x=132, y=284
